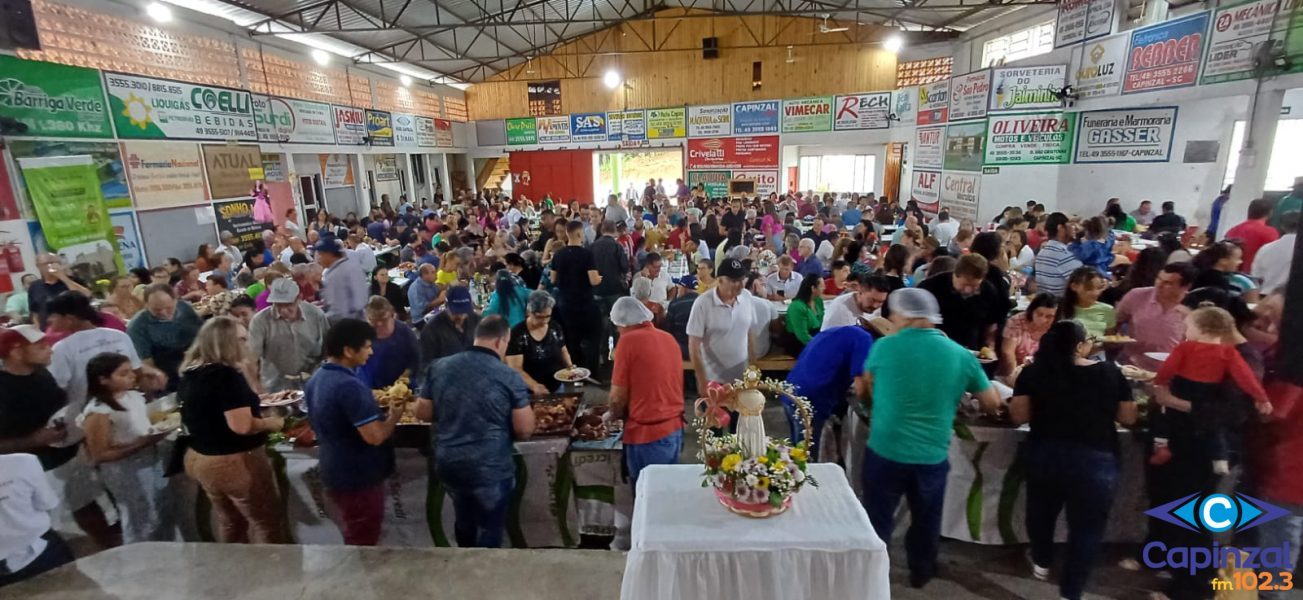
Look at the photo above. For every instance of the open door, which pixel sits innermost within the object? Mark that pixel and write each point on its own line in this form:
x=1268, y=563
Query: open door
x=891, y=171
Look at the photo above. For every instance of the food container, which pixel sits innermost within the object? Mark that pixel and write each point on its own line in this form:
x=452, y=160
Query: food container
x=554, y=414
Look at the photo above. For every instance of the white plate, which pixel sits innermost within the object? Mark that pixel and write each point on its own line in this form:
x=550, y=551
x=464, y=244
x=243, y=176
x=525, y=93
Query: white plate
x=165, y=426
x=1158, y=356
x=572, y=375
x=295, y=397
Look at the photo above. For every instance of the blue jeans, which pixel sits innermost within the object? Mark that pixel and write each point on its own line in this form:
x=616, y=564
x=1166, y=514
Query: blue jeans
x=664, y=451
x=798, y=431
x=924, y=488
x=1083, y=481
x=481, y=513
x=1285, y=530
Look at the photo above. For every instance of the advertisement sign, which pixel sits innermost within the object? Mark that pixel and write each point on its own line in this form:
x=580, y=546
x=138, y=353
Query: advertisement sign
x=425, y=134
x=588, y=127
x=108, y=164
x=236, y=216
x=349, y=124
x=273, y=168
x=443, y=133
x=926, y=190
x=934, y=103
x=965, y=146
x=404, y=130
x=1030, y=139
x=1099, y=70
x=1238, y=32
x=386, y=168
x=553, y=130
x=380, y=127
x=289, y=121
x=766, y=181
x=929, y=147
x=128, y=237
x=65, y=192
x=756, y=117
x=710, y=120
x=164, y=174
x=53, y=100
x=666, y=123
x=629, y=125
x=155, y=109
x=745, y=152
x=904, y=103
x=968, y=95
x=1028, y=88
x=522, y=131
x=230, y=169
x=336, y=170
x=862, y=111
x=1165, y=55
x=1133, y=135
x=1082, y=21
x=960, y=193
x=807, y=114
x=716, y=182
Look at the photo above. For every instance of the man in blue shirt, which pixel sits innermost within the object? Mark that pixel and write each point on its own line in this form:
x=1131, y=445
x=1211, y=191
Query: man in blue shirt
x=424, y=295
x=351, y=433
x=477, y=418
x=827, y=367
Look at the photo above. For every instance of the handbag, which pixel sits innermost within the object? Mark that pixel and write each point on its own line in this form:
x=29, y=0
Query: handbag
x=176, y=462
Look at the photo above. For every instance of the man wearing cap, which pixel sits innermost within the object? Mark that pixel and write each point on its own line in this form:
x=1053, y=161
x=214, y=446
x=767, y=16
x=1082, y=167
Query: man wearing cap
x=229, y=248
x=912, y=418
x=344, y=288
x=452, y=330
x=286, y=337
x=646, y=389
x=719, y=328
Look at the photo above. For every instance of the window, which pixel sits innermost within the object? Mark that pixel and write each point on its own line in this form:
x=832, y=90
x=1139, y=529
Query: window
x=837, y=173
x=1033, y=41
x=1281, y=170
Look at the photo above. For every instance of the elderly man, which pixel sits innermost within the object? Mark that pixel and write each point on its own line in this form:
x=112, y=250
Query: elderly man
x=424, y=295
x=971, y=308
x=720, y=344
x=1154, y=316
x=784, y=282
x=286, y=337
x=1054, y=261
x=646, y=389
x=859, y=306
x=164, y=330
x=55, y=279
x=395, y=351
x=810, y=265
x=343, y=283
x=912, y=423
x=229, y=248
x=452, y=330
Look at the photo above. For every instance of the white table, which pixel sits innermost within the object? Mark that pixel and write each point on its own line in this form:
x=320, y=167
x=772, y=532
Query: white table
x=686, y=545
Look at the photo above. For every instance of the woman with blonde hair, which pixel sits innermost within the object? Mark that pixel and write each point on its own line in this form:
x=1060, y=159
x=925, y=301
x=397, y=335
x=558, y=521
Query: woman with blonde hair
x=227, y=433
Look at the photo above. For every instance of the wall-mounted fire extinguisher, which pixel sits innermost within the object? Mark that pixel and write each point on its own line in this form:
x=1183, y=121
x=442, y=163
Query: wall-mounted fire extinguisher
x=12, y=256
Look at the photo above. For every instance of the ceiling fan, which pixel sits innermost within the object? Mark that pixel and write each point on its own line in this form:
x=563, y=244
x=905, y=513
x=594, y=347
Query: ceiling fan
x=824, y=28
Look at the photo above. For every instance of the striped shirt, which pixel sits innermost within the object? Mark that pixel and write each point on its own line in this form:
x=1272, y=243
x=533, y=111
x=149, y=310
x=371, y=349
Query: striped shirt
x=1054, y=264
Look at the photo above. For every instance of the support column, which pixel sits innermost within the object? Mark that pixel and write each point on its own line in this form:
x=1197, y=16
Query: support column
x=411, y=181
x=470, y=173
x=445, y=177
x=429, y=175
x=1255, y=156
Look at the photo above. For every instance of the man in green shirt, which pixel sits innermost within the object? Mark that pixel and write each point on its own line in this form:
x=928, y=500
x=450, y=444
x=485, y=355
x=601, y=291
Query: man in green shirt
x=1290, y=204
x=918, y=377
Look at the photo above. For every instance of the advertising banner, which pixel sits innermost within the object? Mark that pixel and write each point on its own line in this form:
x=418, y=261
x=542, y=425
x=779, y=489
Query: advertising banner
x=807, y=114
x=1166, y=55
x=65, y=191
x=929, y=147
x=716, y=182
x=1030, y=139
x=231, y=170
x=273, y=168
x=588, y=127
x=744, y=152
x=53, y=100
x=1082, y=21
x=386, y=168
x=128, y=237
x=904, y=103
x=711, y=120
x=1099, y=70
x=156, y=109
x=665, y=123
x=862, y=111
x=425, y=135
x=522, y=131
x=336, y=170
x=960, y=193
x=965, y=146
x=349, y=124
x=756, y=117
x=1133, y=135
x=108, y=164
x=553, y=130
x=289, y=121
x=766, y=181
x=164, y=174
x=629, y=125
x=380, y=127
x=236, y=216
x=969, y=94
x=934, y=103
x=1238, y=32
x=443, y=133
x=926, y=190
x=1028, y=88
x=404, y=130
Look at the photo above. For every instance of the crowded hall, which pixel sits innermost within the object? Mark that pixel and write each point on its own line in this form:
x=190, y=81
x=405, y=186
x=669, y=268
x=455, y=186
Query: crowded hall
x=370, y=299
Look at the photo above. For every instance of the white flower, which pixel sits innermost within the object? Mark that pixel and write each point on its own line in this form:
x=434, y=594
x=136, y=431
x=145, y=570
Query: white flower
x=799, y=476
x=752, y=480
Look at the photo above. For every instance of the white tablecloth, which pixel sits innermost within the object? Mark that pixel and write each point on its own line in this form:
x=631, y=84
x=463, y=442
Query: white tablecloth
x=686, y=545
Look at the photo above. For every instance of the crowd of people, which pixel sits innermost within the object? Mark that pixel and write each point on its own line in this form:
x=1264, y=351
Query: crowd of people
x=908, y=311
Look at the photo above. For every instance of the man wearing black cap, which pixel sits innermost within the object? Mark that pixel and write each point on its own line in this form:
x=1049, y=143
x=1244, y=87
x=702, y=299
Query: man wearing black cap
x=452, y=330
x=719, y=328
x=343, y=284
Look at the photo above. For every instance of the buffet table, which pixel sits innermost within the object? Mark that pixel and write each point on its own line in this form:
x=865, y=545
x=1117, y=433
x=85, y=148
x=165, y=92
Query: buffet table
x=686, y=545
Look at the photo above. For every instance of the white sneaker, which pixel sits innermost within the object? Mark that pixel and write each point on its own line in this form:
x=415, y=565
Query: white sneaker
x=1221, y=467
x=1129, y=564
x=1039, y=573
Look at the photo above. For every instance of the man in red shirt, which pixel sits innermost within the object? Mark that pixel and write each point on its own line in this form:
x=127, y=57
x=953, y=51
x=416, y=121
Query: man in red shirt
x=1254, y=233
x=646, y=389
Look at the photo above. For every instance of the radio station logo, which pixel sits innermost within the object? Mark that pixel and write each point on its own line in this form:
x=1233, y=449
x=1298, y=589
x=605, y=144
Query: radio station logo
x=1219, y=513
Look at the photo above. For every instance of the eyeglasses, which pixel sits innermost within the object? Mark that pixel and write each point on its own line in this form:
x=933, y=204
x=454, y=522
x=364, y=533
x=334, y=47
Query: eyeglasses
x=543, y=316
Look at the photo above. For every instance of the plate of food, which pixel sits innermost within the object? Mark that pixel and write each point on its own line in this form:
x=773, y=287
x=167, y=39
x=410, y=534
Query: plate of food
x=1158, y=356
x=986, y=355
x=572, y=374
x=284, y=398
x=168, y=424
x=1135, y=373
x=1116, y=340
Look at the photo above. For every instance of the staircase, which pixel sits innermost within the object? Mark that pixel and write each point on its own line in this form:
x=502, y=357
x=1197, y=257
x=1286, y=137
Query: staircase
x=492, y=173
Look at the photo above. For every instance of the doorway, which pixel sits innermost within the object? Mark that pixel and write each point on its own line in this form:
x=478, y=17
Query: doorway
x=627, y=172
